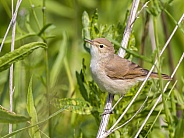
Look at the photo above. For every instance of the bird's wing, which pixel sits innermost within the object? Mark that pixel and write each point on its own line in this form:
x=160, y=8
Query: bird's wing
x=120, y=68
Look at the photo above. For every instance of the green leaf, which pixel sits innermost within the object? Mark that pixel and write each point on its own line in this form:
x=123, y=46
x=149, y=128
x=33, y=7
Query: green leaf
x=94, y=25
x=25, y=128
x=33, y=132
x=82, y=88
x=86, y=30
x=179, y=133
x=131, y=52
x=86, y=25
x=82, y=83
x=59, y=61
x=44, y=29
x=155, y=8
x=75, y=105
x=9, y=39
x=81, y=80
x=19, y=54
x=131, y=43
x=10, y=117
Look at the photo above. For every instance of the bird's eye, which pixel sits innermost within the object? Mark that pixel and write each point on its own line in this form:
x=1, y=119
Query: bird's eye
x=101, y=45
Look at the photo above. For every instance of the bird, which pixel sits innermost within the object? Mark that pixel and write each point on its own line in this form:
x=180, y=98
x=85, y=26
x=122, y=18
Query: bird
x=112, y=73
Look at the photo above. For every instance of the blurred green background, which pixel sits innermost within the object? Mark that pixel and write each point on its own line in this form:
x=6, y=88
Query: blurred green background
x=54, y=70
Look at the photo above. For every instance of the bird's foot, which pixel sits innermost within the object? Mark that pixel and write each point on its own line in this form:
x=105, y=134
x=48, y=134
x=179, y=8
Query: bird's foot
x=107, y=111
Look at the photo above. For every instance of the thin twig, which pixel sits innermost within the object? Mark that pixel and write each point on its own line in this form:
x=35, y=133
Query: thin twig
x=170, y=58
x=138, y=92
x=138, y=111
x=144, y=6
x=105, y=117
x=111, y=110
x=117, y=102
x=159, y=98
x=128, y=29
x=121, y=53
x=137, y=15
x=111, y=131
x=11, y=67
x=160, y=110
x=10, y=24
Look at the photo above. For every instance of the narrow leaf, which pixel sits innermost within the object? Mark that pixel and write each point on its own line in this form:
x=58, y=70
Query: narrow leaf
x=25, y=128
x=10, y=117
x=19, y=54
x=44, y=29
x=82, y=88
x=179, y=133
x=86, y=30
x=9, y=39
x=59, y=61
x=33, y=132
x=94, y=24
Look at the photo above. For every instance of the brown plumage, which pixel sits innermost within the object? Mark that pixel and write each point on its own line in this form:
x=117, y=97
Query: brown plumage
x=113, y=73
x=126, y=69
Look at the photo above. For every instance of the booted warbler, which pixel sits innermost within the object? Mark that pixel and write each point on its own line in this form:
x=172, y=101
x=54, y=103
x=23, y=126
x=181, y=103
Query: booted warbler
x=113, y=73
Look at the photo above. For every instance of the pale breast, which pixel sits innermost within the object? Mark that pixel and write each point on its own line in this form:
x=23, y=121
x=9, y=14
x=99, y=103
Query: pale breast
x=98, y=74
x=107, y=84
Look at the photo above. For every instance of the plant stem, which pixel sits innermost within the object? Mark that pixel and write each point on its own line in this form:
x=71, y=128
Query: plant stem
x=47, y=70
x=163, y=49
x=10, y=24
x=144, y=36
x=105, y=118
x=124, y=44
x=11, y=89
x=34, y=14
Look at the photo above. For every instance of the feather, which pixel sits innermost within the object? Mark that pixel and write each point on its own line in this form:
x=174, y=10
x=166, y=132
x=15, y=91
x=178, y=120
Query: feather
x=120, y=68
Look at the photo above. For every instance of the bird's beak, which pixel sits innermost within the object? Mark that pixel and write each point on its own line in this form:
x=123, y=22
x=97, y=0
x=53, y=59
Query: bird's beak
x=88, y=41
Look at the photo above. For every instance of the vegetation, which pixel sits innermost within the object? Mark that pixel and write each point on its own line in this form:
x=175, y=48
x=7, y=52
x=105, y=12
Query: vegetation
x=54, y=94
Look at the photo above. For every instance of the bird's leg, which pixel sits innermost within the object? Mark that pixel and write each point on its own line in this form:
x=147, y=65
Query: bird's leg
x=110, y=111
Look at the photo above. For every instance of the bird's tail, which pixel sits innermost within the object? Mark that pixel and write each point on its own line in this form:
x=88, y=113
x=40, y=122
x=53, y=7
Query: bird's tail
x=163, y=76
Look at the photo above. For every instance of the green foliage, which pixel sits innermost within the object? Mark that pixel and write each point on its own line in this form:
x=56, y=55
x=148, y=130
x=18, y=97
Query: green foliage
x=19, y=54
x=10, y=117
x=90, y=92
x=75, y=105
x=97, y=31
x=8, y=40
x=179, y=133
x=33, y=132
x=155, y=8
x=25, y=128
x=92, y=30
x=60, y=80
x=85, y=30
x=59, y=61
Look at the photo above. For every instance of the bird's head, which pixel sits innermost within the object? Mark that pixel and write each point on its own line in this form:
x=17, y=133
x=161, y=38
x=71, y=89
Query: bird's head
x=101, y=48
